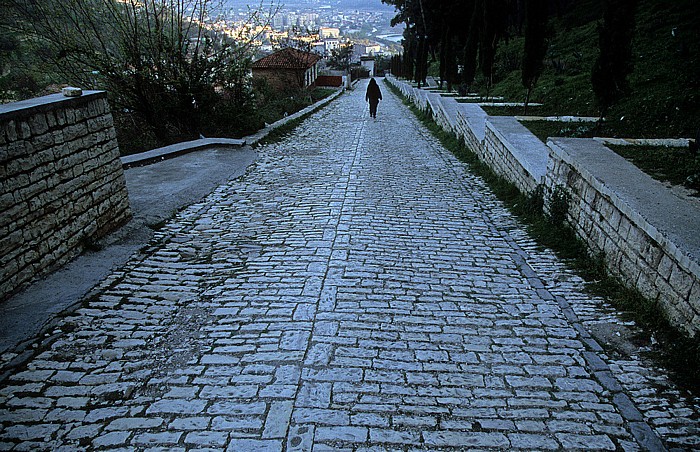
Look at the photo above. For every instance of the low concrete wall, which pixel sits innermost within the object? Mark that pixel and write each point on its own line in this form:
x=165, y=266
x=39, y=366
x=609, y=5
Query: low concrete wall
x=649, y=235
x=62, y=183
x=444, y=111
x=514, y=153
x=501, y=142
x=471, y=125
x=335, y=81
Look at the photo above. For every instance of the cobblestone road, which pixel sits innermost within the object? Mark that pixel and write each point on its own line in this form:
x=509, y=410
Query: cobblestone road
x=357, y=289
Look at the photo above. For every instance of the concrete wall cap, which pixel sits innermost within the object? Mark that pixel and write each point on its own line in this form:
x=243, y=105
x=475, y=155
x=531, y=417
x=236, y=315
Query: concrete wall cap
x=43, y=104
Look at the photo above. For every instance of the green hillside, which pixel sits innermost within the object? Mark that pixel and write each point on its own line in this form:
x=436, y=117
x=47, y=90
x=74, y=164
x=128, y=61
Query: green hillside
x=664, y=99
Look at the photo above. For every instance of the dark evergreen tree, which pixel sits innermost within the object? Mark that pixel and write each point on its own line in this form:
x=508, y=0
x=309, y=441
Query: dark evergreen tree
x=410, y=13
x=396, y=65
x=436, y=29
x=536, y=15
x=492, y=30
x=614, y=63
x=450, y=60
x=451, y=20
x=409, y=45
x=472, y=45
x=421, y=71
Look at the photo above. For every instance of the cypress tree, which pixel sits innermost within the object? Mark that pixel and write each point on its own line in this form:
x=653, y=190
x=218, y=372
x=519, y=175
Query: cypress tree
x=421, y=61
x=495, y=15
x=614, y=62
x=535, y=44
x=472, y=46
x=451, y=74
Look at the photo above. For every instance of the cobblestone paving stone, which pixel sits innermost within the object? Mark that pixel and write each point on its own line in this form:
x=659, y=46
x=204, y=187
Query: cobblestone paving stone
x=357, y=289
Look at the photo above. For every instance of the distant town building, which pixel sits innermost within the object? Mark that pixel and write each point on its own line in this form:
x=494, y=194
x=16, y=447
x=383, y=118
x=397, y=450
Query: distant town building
x=367, y=61
x=319, y=47
x=278, y=21
x=367, y=49
x=327, y=32
x=331, y=44
x=326, y=46
x=307, y=20
x=287, y=68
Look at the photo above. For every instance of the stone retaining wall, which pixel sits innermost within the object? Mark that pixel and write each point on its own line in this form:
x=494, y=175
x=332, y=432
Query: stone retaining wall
x=648, y=235
x=471, y=125
x=62, y=183
x=514, y=153
x=444, y=109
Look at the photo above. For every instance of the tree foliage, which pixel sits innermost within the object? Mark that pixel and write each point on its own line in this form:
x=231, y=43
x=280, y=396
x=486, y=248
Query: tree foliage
x=341, y=57
x=614, y=63
x=535, y=44
x=156, y=58
x=464, y=36
x=471, y=46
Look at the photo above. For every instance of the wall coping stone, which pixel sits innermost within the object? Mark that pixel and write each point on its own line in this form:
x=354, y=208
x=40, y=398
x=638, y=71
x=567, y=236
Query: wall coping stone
x=523, y=144
x=667, y=218
x=434, y=101
x=476, y=98
x=155, y=155
x=44, y=104
x=431, y=82
x=434, y=97
x=558, y=118
x=671, y=142
x=508, y=104
x=475, y=117
x=450, y=106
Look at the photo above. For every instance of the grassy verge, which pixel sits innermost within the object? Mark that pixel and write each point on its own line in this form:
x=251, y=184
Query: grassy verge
x=546, y=129
x=676, y=165
x=278, y=134
x=225, y=120
x=675, y=351
x=664, y=96
x=532, y=110
x=667, y=164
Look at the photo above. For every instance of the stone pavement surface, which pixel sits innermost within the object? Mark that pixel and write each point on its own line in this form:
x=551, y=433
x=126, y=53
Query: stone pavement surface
x=156, y=192
x=356, y=289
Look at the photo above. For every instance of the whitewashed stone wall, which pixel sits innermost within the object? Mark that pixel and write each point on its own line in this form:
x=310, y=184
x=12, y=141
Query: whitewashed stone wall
x=650, y=237
x=421, y=98
x=471, y=126
x=434, y=106
x=62, y=183
x=444, y=111
x=514, y=153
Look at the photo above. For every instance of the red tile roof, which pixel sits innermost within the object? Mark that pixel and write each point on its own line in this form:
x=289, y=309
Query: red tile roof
x=287, y=58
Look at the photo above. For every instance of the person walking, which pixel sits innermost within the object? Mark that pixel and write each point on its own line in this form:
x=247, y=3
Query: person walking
x=373, y=96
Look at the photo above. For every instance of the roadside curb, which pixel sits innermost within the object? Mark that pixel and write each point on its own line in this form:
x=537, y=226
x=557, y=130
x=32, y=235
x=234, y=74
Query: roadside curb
x=173, y=150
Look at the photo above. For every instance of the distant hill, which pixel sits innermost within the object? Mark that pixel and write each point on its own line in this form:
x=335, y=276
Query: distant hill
x=338, y=4
x=360, y=4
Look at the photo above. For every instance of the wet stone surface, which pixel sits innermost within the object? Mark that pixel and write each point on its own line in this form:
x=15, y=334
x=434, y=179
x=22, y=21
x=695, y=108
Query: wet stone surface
x=356, y=289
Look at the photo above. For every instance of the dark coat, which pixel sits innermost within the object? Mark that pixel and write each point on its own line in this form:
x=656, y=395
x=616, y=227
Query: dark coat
x=374, y=95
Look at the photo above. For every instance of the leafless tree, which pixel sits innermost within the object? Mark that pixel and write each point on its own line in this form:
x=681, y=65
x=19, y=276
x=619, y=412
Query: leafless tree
x=162, y=59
